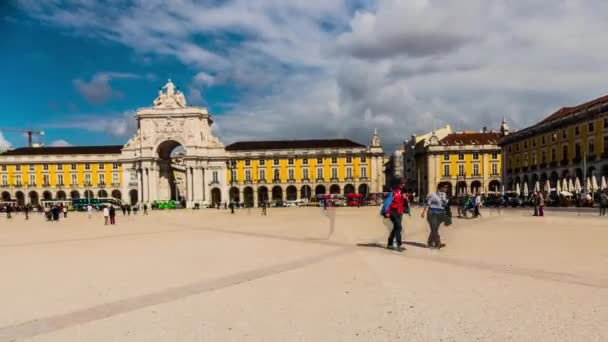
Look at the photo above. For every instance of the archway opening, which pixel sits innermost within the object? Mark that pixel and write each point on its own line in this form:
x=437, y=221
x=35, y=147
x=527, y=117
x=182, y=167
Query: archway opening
x=47, y=196
x=305, y=192
x=88, y=194
x=494, y=186
x=364, y=190
x=6, y=196
x=262, y=194
x=216, y=196
x=277, y=193
x=116, y=194
x=34, y=200
x=74, y=194
x=319, y=190
x=60, y=195
x=461, y=188
x=234, y=194
x=292, y=193
x=248, y=194
x=133, y=197
x=172, y=171
x=476, y=187
x=334, y=189
x=349, y=189
x=20, y=198
x=102, y=194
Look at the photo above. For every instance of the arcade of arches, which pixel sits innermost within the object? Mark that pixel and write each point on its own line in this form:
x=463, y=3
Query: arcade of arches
x=250, y=195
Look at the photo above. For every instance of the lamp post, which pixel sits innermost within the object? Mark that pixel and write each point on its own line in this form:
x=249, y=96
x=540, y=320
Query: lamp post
x=231, y=164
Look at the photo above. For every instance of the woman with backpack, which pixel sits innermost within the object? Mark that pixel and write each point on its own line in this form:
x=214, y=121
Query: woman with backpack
x=393, y=208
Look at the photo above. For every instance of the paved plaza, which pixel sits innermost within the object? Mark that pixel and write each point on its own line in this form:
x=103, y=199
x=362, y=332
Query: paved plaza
x=208, y=275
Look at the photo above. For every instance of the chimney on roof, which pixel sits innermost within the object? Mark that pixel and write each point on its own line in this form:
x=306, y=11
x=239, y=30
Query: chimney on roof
x=485, y=129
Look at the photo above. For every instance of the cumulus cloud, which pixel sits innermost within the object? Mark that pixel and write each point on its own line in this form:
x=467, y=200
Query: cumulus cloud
x=327, y=68
x=4, y=144
x=59, y=143
x=119, y=124
x=98, y=89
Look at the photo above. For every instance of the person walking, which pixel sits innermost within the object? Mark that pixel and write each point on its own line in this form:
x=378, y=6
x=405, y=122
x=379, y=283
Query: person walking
x=535, y=202
x=394, y=211
x=106, y=215
x=129, y=209
x=541, y=204
x=65, y=212
x=145, y=209
x=436, y=215
x=477, y=204
x=90, y=210
x=9, y=210
x=26, y=210
x=264, y=205
x=124, y=209
x=603, y=202
x=112, y=215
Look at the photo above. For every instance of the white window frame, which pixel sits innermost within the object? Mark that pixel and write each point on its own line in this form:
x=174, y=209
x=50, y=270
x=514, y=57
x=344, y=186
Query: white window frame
x=446, y=170
x=363, y=172
x=74, y=179
x=101, y=179
x=32, y=180
x=115, y=178
x=320, y=173
x=334, y=172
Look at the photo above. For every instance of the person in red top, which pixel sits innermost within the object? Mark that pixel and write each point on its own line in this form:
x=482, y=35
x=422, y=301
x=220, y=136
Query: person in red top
x=395, y=213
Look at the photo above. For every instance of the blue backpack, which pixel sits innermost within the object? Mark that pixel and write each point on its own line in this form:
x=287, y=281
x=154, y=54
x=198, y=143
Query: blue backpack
x=387, y=202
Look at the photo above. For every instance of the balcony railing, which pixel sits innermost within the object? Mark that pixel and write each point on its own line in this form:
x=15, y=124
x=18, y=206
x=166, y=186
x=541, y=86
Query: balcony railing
x=262, y=181
x=291, y=180
x=349, y=179
x=115, y=184
x=543, y=165
x=101, y=185
x=305, y=180
x=334, y=179
x=248, y=181
x=363, y=178
x=563, y=162
x=319, y=180
x=132, y=183
x=276, y=180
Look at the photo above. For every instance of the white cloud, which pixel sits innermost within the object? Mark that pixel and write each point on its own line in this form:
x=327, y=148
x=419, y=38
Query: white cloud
x=59, y=143
x=119, y=125
x=98, y=89
x=4, y=144
x=323, y=68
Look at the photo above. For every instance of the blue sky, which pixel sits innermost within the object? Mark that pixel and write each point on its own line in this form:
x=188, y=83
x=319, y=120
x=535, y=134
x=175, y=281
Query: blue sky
x=269, y=69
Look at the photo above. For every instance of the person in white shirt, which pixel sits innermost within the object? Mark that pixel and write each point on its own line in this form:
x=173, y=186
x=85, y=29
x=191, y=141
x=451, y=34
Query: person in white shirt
x=477, y=204
x=106, y=215
x=90, y=210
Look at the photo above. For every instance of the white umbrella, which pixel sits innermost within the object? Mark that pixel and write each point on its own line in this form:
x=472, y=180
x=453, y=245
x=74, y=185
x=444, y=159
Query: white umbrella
x=517, y=189
x=565, y=184
x=547, y=186
x=604, y=185
x=537, y=186
x=570, y=185
x=577, y=185
x=594, y=183
x=558, y=187
x=526, y=193
x=502, y=188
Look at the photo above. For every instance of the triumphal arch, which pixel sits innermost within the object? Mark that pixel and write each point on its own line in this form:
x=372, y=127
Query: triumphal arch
x=174, y=151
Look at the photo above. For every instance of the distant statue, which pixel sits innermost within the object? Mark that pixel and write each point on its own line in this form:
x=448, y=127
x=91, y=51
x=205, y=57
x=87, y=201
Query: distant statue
x=180, y=99
x=170, y=88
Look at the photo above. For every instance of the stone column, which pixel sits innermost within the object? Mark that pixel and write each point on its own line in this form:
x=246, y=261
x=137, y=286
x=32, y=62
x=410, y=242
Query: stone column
x=255, y=197
x=241, y=195
x=153, y=182
x=145, y=193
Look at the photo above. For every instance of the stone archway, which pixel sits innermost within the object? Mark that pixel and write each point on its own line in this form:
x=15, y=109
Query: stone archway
x=277, y=193
x=235, y=195
x=364, y=190
x=47, y=196
x=34, y=199
x=305, y=192
x=334, y=189
x=320, y=190
x=74, y=194
x=89, y=194
x=292, y=193
x=248, y=194
x=170, y=155
x=20, y=197
x=102, y=194
x=263, y=194
x=116, y=194
x=6, y=196
x=133, y=197
x=216, y=196
x=60, y=195
x=461, y=188
x=494, y=186
x=349, y=189
x=476, y=187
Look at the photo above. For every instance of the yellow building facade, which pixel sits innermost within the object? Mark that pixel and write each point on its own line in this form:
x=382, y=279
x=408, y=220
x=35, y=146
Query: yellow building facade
x=570, y=144
x=466, y=162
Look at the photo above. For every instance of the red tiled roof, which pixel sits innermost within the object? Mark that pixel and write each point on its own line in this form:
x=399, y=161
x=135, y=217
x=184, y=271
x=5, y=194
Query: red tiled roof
x=490, y=138
x=565, y=111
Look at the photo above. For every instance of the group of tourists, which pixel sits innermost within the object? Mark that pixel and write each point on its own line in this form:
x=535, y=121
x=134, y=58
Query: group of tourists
x=436, y=210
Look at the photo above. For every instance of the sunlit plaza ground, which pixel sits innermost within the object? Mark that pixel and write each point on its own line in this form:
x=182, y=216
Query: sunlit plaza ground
x=208, y=275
